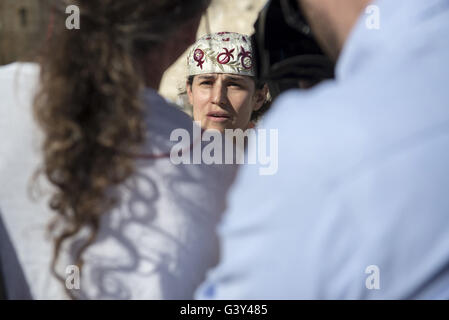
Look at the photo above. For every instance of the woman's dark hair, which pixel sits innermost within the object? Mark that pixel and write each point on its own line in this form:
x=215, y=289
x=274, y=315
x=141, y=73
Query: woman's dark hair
x=88, y=104
x=257, y=114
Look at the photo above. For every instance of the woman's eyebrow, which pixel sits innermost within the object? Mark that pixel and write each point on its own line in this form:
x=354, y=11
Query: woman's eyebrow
x=231, y=78
x=206, y=77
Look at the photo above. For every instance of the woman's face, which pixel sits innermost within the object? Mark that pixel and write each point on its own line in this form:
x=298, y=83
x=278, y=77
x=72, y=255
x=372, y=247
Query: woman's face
x=224, y=101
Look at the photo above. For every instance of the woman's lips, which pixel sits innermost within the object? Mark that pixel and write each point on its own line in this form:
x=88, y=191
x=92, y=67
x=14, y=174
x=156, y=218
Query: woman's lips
x=218, y=117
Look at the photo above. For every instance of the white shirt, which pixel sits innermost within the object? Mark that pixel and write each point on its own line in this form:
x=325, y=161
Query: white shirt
x=359, y=207
x=157, y=244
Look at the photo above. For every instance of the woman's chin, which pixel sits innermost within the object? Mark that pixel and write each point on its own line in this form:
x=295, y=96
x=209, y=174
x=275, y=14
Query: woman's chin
x=216, y=126
x=221, y=129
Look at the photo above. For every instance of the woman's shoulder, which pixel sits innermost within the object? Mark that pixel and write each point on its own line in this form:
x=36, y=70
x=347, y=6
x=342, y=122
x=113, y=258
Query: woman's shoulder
x=162, y=115
x=17, y=68
x=162, y=119
x=18, y=83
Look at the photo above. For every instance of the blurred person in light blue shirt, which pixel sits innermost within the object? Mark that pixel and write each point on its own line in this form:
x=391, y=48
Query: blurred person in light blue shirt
x=359, y=208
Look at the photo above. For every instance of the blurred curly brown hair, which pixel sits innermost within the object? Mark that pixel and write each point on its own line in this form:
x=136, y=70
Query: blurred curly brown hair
x=89, y=107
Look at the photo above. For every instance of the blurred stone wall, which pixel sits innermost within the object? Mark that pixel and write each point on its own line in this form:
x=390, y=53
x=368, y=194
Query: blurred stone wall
x=22, y=26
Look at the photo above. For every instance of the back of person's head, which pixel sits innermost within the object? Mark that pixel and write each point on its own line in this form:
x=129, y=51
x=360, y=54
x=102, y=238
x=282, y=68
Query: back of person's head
x=332, y=21
x=88, y=104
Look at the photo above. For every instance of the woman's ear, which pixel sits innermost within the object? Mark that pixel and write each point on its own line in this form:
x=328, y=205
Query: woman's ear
x=261, y=97
x=189, y=92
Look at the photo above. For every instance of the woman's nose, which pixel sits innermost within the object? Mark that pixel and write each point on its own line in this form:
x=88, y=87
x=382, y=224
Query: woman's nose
x=219, y=94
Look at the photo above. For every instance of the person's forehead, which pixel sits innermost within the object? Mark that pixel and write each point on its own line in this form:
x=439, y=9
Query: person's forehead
x=226, y=76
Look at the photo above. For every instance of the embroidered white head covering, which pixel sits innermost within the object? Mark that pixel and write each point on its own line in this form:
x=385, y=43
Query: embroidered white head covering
x=222, y=52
